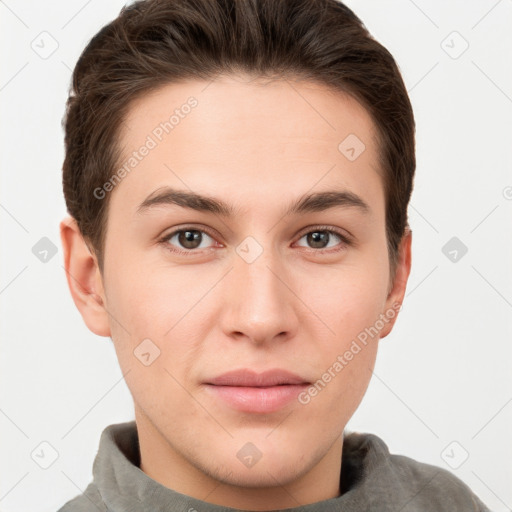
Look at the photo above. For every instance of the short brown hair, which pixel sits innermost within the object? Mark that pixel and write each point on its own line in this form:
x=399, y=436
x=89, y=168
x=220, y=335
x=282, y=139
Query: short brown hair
x=157, y=42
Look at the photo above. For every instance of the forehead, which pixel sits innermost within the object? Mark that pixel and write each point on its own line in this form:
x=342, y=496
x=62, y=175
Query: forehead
x=246, y=137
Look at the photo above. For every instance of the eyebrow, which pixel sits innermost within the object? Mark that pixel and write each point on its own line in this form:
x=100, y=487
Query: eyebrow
x=315, y=202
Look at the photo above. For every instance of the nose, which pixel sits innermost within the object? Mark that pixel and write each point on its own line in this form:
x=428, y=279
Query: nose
x=258, y=303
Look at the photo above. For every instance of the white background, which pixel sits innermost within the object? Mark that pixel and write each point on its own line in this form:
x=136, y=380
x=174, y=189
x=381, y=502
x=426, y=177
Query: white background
x=443, y=375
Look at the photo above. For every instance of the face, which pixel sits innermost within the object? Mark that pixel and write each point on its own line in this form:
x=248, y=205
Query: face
x=280, y=266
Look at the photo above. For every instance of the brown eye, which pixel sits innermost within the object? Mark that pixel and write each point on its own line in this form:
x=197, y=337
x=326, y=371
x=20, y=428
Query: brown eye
x=318, y=239
x=187, y=240
x=323, y=239
x=190, y=239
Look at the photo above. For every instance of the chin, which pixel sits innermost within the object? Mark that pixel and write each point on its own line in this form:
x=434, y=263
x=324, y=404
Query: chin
x=268, y=475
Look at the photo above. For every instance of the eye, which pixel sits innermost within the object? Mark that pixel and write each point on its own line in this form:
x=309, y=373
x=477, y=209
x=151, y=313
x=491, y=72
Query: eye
x=186, y=240
x=324, y=238
x=189, y=240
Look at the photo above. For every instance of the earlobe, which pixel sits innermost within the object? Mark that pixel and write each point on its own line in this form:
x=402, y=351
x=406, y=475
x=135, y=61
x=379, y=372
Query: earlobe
x=397, y=291
x=84, y=278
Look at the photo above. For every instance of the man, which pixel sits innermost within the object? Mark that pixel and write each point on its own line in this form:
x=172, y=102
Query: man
x=237, y=176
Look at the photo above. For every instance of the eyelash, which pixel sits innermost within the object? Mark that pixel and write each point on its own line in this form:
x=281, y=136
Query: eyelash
x=345, y=241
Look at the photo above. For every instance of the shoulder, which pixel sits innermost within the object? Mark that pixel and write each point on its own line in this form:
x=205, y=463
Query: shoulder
x=89, y=501
x=415, y=486
x=118, y=450
x=435, y=488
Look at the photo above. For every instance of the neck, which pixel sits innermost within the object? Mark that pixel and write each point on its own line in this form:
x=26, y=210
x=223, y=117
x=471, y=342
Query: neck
x=162, y=462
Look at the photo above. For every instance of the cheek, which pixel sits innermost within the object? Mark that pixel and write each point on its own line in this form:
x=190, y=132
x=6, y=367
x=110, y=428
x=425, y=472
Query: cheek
x=349, y=308
x=349, y=299
x=145, y=324
x=344, y=361
x=153, y=322
x=143, y=296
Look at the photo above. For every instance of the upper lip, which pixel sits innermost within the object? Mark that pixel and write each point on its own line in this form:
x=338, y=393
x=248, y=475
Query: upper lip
x=249, y=378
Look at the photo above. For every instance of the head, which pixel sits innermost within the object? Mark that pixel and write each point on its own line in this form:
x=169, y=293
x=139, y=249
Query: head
x=237, y=176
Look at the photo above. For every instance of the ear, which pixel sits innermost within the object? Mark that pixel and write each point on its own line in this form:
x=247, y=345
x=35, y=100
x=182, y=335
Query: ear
x=396, y=294
x=84, y=278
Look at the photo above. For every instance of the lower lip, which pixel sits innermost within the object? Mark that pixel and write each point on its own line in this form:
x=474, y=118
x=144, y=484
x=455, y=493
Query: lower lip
x=258, y=400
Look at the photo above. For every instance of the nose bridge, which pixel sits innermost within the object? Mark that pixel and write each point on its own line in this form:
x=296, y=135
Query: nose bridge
x=260, y=301
x=256, y=266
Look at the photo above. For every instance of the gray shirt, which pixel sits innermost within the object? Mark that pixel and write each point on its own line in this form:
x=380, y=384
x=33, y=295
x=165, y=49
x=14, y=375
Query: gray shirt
x=372, y=480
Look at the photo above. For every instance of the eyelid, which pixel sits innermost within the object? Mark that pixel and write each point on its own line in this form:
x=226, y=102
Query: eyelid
x=164, y=240
x=346, y=237
x=190, y=227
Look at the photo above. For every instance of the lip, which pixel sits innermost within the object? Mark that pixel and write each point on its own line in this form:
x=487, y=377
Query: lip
x=248, y=391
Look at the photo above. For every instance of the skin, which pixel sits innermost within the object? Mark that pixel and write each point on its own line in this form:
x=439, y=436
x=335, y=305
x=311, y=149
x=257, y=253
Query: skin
x=258, y=146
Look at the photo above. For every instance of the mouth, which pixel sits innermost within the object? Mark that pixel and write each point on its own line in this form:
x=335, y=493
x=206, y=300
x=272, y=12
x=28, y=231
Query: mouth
x=247, y=391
